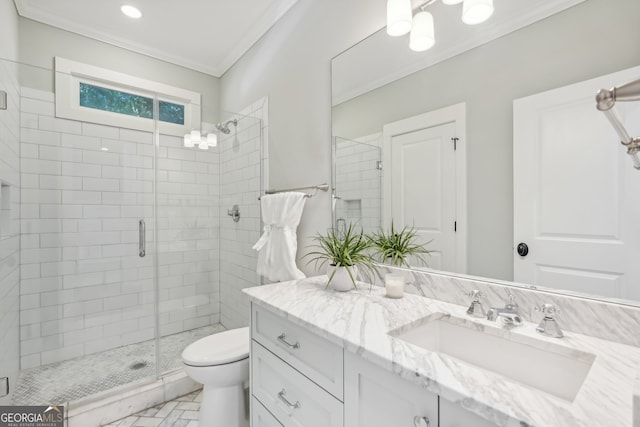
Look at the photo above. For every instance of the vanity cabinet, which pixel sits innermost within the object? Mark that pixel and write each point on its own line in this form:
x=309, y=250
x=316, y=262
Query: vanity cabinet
x=260, y=417
x=295, y=374
x=374, y=397
x=451, y=415
x=316, y=357
x=299, y=379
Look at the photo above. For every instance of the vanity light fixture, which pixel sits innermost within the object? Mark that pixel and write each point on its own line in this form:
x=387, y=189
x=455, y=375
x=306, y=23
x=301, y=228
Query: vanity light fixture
x=476, y=11
x=399, y=17
x=194, y=138
x=422, y=35
x=131, y=11
x=400, y=20
x=210, y=141
x=187, y=141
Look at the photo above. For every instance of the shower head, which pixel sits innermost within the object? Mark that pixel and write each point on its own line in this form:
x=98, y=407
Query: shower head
x=224, y=128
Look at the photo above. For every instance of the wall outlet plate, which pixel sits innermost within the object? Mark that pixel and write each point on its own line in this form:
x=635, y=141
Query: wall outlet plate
x=3, y=100
x=4, y=386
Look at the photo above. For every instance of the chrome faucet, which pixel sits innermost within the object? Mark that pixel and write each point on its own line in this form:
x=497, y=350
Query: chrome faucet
x=509, y=314
x=475, y=309
x=548, y=325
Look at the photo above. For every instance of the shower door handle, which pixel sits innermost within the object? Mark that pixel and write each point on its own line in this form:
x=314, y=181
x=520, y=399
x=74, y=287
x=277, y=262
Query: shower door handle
x=142, y=231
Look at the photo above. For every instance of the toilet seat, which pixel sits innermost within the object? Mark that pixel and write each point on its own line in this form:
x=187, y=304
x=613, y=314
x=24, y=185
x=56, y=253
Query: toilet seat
x=218, y=349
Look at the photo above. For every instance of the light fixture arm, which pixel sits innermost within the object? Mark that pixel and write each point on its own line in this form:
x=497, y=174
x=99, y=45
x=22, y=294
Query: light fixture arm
x=605, y=102
x=424, y=5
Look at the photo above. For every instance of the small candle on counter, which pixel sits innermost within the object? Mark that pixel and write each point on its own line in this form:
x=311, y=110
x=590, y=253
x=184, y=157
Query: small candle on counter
x=394, y=285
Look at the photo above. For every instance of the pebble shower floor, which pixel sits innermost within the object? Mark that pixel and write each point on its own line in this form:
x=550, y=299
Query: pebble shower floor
x=70, y=380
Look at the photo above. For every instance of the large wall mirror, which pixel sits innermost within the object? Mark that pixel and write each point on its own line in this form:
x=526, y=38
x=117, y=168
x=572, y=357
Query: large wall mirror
x=462, y=93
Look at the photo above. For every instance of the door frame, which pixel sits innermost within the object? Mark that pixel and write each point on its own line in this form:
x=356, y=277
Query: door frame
x=452, y=114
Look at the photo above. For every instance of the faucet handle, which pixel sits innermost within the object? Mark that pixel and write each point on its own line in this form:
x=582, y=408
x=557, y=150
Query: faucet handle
x=548, y=325
x=475, y=294
x=475, y=309
x=549, y=310
x=512, y=304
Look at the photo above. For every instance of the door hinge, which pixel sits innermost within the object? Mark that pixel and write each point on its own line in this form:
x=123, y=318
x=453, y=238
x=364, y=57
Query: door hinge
x=455, y=143
x=379, y=165
x=455, y=226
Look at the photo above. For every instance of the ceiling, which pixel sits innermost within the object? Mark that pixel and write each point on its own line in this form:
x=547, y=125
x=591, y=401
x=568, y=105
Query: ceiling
x=204, y=35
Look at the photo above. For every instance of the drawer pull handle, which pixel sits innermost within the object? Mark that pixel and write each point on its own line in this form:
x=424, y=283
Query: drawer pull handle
x=282, y=339
x=421, y=421
x=281, y=395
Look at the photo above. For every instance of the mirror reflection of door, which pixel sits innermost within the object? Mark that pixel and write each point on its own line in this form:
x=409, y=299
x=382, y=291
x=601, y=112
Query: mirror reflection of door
x=422, y=157
x=576, y=193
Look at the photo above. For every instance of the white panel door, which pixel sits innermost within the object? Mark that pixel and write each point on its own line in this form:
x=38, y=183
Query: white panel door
x=576, y=194
x=424, y=183
x=423, y=189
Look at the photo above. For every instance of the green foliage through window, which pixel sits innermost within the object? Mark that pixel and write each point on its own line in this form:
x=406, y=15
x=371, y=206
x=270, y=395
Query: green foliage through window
x=172, y=113
x=116, y=101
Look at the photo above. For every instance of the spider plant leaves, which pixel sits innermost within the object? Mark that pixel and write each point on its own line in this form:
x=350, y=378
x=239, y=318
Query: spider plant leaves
x=395, y=246
x=342, y=249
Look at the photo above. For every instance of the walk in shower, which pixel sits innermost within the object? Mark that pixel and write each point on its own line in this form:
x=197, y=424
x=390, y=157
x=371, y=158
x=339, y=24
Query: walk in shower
x=357, y=178
x=126, y=251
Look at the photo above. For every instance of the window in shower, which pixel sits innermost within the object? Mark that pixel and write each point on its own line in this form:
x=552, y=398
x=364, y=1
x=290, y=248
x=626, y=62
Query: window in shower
x=97, y=95
x=116, y=101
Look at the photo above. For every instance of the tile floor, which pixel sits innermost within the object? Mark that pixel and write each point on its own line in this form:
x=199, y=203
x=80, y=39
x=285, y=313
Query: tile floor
x=180, y=412
x=59, y=383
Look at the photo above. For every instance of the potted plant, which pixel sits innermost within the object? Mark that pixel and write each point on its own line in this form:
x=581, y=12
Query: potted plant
x=394, y=246
x=342, y=252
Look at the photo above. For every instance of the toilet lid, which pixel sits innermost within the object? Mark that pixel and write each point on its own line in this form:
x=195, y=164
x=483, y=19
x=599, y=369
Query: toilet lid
x=218, y=349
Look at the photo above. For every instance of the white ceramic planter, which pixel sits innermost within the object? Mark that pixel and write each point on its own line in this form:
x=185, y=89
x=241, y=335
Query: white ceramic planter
x=341, y=280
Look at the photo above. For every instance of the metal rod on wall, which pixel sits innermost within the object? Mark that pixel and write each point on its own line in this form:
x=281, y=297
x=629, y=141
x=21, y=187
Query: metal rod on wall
x=321, y=187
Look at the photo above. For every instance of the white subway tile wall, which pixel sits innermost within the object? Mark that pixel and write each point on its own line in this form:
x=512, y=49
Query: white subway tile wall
x=84, y=288
x=359, y=182
x=243, y=165
x=188, y=221
x=9, y=226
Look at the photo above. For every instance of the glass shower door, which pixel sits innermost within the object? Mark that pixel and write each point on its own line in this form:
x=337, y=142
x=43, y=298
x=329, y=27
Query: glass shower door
x=188, y=231
x=205, y=257
x=87, y=296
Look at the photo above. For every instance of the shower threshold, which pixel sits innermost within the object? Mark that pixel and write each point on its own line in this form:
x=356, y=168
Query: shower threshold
x=72, y=380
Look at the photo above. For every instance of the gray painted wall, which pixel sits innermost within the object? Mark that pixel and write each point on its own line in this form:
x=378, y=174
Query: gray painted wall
x=291, y=65
x=40, y=43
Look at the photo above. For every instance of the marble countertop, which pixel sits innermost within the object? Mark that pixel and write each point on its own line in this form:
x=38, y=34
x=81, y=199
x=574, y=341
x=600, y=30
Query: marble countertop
x=360, y=321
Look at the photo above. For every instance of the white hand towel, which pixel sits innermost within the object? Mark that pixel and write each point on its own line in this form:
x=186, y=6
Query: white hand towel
x=278, y=244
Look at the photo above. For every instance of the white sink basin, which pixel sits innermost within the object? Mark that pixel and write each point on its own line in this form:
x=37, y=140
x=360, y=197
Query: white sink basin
x=549, y=367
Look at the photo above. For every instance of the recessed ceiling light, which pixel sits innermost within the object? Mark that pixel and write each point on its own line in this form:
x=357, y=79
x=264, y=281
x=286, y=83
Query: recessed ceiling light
x=131, y=11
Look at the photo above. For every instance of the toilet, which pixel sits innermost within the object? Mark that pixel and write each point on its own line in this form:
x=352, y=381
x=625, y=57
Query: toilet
x=220, y=362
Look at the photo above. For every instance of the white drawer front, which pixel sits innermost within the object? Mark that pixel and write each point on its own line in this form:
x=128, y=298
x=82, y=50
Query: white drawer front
x=290, y=396
x=317, y=358
x=260, y=417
